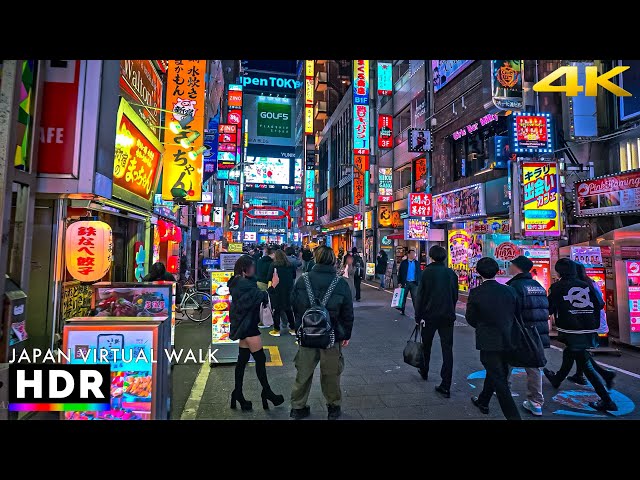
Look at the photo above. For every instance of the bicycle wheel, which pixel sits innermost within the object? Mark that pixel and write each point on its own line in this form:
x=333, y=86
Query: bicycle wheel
x=197, y=307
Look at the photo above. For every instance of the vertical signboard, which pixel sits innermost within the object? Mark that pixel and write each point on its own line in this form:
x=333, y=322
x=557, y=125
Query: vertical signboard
x=309, y=184
x=385, y=184
x=361, y=82
x=309, y=211
x=459, y=241
x=633, y=289
x=182, y=166
x=541, y=199
x=309, y=73
x=361, y=129
x=385, y=131
x=56, y=153
x=360, y=184
x=385, y=79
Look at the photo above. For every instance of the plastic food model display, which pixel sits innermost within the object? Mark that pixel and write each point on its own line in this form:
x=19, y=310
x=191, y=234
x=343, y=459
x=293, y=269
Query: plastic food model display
x=129, y=302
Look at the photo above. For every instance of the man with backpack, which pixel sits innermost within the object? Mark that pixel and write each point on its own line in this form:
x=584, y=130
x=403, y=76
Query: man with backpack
x=323, y=310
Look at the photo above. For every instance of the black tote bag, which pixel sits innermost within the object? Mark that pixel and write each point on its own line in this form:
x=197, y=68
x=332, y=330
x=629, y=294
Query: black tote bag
x=413, y=352
x=527, y=350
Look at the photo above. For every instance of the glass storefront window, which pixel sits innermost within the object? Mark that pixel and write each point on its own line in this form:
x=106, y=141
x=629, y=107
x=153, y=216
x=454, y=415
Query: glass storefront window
x=471, y=153
x=629, y=154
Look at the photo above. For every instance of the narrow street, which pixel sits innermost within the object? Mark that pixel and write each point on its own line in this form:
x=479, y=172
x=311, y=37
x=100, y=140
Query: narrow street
x=377, y=384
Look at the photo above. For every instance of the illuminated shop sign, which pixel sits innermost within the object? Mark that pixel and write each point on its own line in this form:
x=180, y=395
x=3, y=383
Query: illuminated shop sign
x=361, y=129
x=506, y=84
x=361, y=82
x=532, y=133
x=385, y=79
x=360, y=182
x=385, y=131
x=309, y=211
x=467, y=202
x=309, y=183
x=271, y=81
x=541, y=199
x=473, y=127
x=416, y=229
x=419, y=140
x=385, y=184
x=444, y=71
x=610, y=195
x=420, y=205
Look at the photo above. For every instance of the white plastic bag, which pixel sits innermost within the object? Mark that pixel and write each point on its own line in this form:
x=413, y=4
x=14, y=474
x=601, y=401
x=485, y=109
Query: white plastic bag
x=266, y=317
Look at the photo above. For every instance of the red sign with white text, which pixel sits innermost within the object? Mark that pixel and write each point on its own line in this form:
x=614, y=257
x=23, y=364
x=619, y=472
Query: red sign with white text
x=234, y=99
x=234, y=117
x=385, y=131
x=420, y=205
x=309, y=211
x=226, y=128
x=58, y=119
x=609, y=195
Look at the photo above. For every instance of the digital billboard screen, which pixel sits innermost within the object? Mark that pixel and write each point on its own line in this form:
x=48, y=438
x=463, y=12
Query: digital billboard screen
x=273, y=174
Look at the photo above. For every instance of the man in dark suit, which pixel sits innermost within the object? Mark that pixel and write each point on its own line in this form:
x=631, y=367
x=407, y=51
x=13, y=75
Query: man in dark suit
x=491, y=310
x=436, y=309
x=409, y=277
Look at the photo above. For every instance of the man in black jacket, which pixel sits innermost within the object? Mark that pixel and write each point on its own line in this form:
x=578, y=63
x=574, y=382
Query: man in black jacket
x=381, y=266
x=576, y=307
x=436, y=310
x=534, y=310
x=491, y=310
x=358, y=264
x=409, y=278
x=262, y=267
x=340, y=307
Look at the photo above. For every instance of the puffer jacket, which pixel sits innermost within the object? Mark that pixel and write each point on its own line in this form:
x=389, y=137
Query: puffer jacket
x=340, y=304
x=244, y=314
x=534, y=304
x=262, y=268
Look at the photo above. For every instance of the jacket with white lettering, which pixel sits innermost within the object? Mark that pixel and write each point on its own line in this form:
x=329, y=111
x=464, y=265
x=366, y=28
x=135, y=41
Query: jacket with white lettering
x=576, y=306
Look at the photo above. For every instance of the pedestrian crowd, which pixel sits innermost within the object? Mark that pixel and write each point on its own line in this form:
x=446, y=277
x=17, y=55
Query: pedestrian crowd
x=313, y=293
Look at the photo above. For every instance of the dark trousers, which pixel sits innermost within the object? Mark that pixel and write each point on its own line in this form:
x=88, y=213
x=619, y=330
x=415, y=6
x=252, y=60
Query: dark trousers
x=356, y=281
x=496, y=380
x=412, y=288
x=603, y=372
x=277, y=314
x=584, y=364
x=445, y=332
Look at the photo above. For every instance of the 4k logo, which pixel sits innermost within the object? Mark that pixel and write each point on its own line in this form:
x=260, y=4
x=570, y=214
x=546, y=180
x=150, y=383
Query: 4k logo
x=571, y=88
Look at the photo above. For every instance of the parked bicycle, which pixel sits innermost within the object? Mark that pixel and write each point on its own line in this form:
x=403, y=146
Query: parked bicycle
x=196, y=305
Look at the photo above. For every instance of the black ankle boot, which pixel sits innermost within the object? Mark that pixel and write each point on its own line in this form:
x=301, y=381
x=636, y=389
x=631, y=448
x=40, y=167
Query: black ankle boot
x=267, y=394
x=236, y=396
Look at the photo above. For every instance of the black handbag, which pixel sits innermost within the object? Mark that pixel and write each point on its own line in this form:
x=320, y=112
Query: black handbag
x=526, y=346
x=413, y=352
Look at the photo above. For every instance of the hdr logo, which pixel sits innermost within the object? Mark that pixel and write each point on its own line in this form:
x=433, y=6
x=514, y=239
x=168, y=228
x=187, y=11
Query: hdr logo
x=572, y=87
x=58, y=388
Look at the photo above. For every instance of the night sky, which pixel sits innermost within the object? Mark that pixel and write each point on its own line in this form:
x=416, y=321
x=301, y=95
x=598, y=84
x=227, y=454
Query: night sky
x=283, y=66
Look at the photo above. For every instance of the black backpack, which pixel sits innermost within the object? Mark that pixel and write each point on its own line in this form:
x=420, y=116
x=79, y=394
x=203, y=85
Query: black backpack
x=316, y=330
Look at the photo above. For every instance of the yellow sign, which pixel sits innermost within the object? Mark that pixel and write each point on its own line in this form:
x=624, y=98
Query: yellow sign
x=368, y=219
x=459, y=241
x=308, y=68
x=182, y=158
x=235, y=248
x=385, y=215
x=371, y=269
x=308, y=120
x=541, y=199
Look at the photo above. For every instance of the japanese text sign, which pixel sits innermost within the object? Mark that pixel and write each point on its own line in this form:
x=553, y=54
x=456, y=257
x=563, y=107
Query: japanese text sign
x=531, y=132
x=88, y=250
x=419, y=204
x=360, y=189
x=309, y=211
x=137, y=157
x=361, y=129
x=182, y=167
x=361, y=82
x=385, y=131
x=385, y=79
x=385, y=184
x=541, y=199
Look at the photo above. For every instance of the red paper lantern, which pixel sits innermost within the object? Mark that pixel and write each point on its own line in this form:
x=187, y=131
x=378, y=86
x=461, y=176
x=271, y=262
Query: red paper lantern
x=88, y=250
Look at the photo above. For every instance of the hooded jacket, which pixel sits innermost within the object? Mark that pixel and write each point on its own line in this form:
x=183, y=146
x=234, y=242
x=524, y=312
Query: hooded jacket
x=340, y=304
x=246, y=298
x=534, y=305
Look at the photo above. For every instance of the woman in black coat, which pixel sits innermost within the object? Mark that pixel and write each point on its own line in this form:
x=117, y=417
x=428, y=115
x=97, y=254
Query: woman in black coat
x=246, y=299
x=280, y=294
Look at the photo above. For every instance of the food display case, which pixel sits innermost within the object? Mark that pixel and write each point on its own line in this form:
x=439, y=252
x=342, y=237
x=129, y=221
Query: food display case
x=132, y=329
x=123, y=299
x=226, y=350
x=135, y=348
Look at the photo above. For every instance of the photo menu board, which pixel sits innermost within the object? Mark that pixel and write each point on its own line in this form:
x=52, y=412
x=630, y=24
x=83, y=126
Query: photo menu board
x=220, y=305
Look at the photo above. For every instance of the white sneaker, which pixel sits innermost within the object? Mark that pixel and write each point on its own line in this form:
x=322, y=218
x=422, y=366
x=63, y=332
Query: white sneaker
x=532, y=407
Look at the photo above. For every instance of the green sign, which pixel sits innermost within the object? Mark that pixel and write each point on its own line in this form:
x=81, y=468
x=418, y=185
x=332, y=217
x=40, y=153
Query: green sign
x=274, y=120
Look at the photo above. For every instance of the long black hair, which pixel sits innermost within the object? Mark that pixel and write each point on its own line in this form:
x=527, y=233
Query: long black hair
x=582, y=274
x=243, y=265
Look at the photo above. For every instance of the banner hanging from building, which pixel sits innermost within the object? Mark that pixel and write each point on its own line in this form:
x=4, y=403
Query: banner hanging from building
x=182, y=165
x=541, y=199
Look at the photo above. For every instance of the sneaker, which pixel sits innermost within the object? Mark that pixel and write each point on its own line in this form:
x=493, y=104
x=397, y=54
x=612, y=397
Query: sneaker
x=292, y=332
x=334, y=412
x=532, y=408
x=274, y=333
x=299, y=413
x=580, y=380
x=262, y=325
x=296, y=342
x=603, y=406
